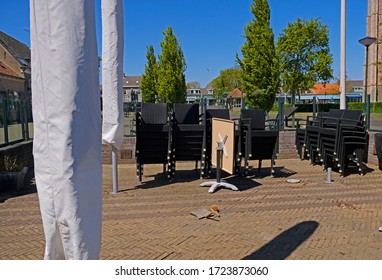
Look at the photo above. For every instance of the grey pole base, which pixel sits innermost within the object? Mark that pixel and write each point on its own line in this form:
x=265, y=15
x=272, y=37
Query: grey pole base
x=215, y=184
x=114, y=153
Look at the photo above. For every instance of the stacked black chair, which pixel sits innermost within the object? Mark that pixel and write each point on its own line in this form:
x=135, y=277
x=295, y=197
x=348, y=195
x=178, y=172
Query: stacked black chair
x=257, y=142
x=300, y=138
x=335, y=139
x=153, y=138
x=188, y=136
x=312, y=129
x=343, y=139
x=327, y=140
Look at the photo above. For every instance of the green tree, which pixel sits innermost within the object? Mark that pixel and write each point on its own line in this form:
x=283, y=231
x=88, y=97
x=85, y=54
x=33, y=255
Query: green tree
x=305, y=59
x=149, y=81
x=261, y=77
x=171, y=67
x=227, y=81
x=193, y=84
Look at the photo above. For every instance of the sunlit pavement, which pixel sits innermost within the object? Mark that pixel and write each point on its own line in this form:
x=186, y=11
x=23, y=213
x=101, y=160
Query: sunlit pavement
x=268, y=218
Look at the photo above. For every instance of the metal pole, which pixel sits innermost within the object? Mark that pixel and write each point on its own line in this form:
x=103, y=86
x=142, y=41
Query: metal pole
x=22, y=119
x=368, y=112
x=25, y=107
x=343, y=56
x=5, y=118
x=114, y=152
x=366, y=74
x=281, y=114
x=218, y=159
x=314, y=104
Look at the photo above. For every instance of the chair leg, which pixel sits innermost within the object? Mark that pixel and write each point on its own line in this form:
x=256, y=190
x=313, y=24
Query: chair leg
x=238, y=165
x=168, y=172
x=360, y=155
x=140, y=170
x=246, y=158
x=342, y=159
x=272, y=165
x=246, y=166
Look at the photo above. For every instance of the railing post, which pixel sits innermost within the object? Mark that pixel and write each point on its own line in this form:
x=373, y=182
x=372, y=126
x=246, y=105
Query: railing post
x=26, y=120
x=242, y=103
x=281, y=114
x=5, y=118
x=22, y=119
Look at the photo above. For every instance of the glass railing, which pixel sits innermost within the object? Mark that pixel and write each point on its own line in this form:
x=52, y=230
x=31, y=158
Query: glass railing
x=16, y=122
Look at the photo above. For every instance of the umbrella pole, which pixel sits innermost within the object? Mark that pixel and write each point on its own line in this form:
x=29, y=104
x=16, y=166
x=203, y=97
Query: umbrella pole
x=115, y=169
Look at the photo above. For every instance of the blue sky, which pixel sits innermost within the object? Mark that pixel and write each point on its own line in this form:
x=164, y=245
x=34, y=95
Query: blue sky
x=210, y=32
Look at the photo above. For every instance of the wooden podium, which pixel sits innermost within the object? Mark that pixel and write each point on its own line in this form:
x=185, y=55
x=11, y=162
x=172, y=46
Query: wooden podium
x=223, y=133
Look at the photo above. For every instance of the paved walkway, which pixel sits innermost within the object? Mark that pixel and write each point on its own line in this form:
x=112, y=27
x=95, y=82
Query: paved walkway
x=268, y=219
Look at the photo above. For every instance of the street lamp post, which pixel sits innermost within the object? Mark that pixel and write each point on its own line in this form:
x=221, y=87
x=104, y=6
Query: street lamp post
x=343, y=56
x=367, y=41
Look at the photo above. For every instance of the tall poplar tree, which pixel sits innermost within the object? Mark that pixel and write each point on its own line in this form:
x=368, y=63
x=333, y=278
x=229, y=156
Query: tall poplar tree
x=171, y=68
x=261, y=79
x=149, y=81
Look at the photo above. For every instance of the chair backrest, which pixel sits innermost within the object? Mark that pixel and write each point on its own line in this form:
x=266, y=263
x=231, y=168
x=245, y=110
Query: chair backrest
x=331, y=119
x=257, y=118
x=217, y=113
x=335, y=113
x=186, y=113
x=351, y=117
x=355, y=115
x=289, y=111
x=154, y=113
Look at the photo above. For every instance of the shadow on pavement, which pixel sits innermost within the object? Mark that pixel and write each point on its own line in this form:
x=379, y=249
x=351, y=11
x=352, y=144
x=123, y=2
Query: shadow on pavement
x=285, y=243
x=280, y=172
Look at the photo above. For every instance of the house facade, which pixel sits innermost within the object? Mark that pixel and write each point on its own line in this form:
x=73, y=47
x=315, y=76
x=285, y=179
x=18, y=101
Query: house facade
x=330, y=93
x=14, y=67
x=131, y=89
x=374, y=29
x=194, y=95
x=235, y=99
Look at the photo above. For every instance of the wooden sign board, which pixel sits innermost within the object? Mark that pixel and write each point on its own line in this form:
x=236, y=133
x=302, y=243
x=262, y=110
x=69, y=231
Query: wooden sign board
x=220, y=129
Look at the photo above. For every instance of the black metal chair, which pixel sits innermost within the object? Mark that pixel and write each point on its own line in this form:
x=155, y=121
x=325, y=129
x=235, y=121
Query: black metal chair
x=343, y=139
x=258, y=141
x=188, y=136
x=353, y=147
x=300, y=137
x=153, y=139
x=313, y=126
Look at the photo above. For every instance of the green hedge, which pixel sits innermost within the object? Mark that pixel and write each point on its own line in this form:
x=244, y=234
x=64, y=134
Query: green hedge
x=308, y=107
x=375, y=107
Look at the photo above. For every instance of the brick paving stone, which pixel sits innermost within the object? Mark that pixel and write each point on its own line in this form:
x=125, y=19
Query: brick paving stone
x=268, y=218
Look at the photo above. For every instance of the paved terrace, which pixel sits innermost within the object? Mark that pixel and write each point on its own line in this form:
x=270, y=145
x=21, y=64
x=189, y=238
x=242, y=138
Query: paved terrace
x=268, y=219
